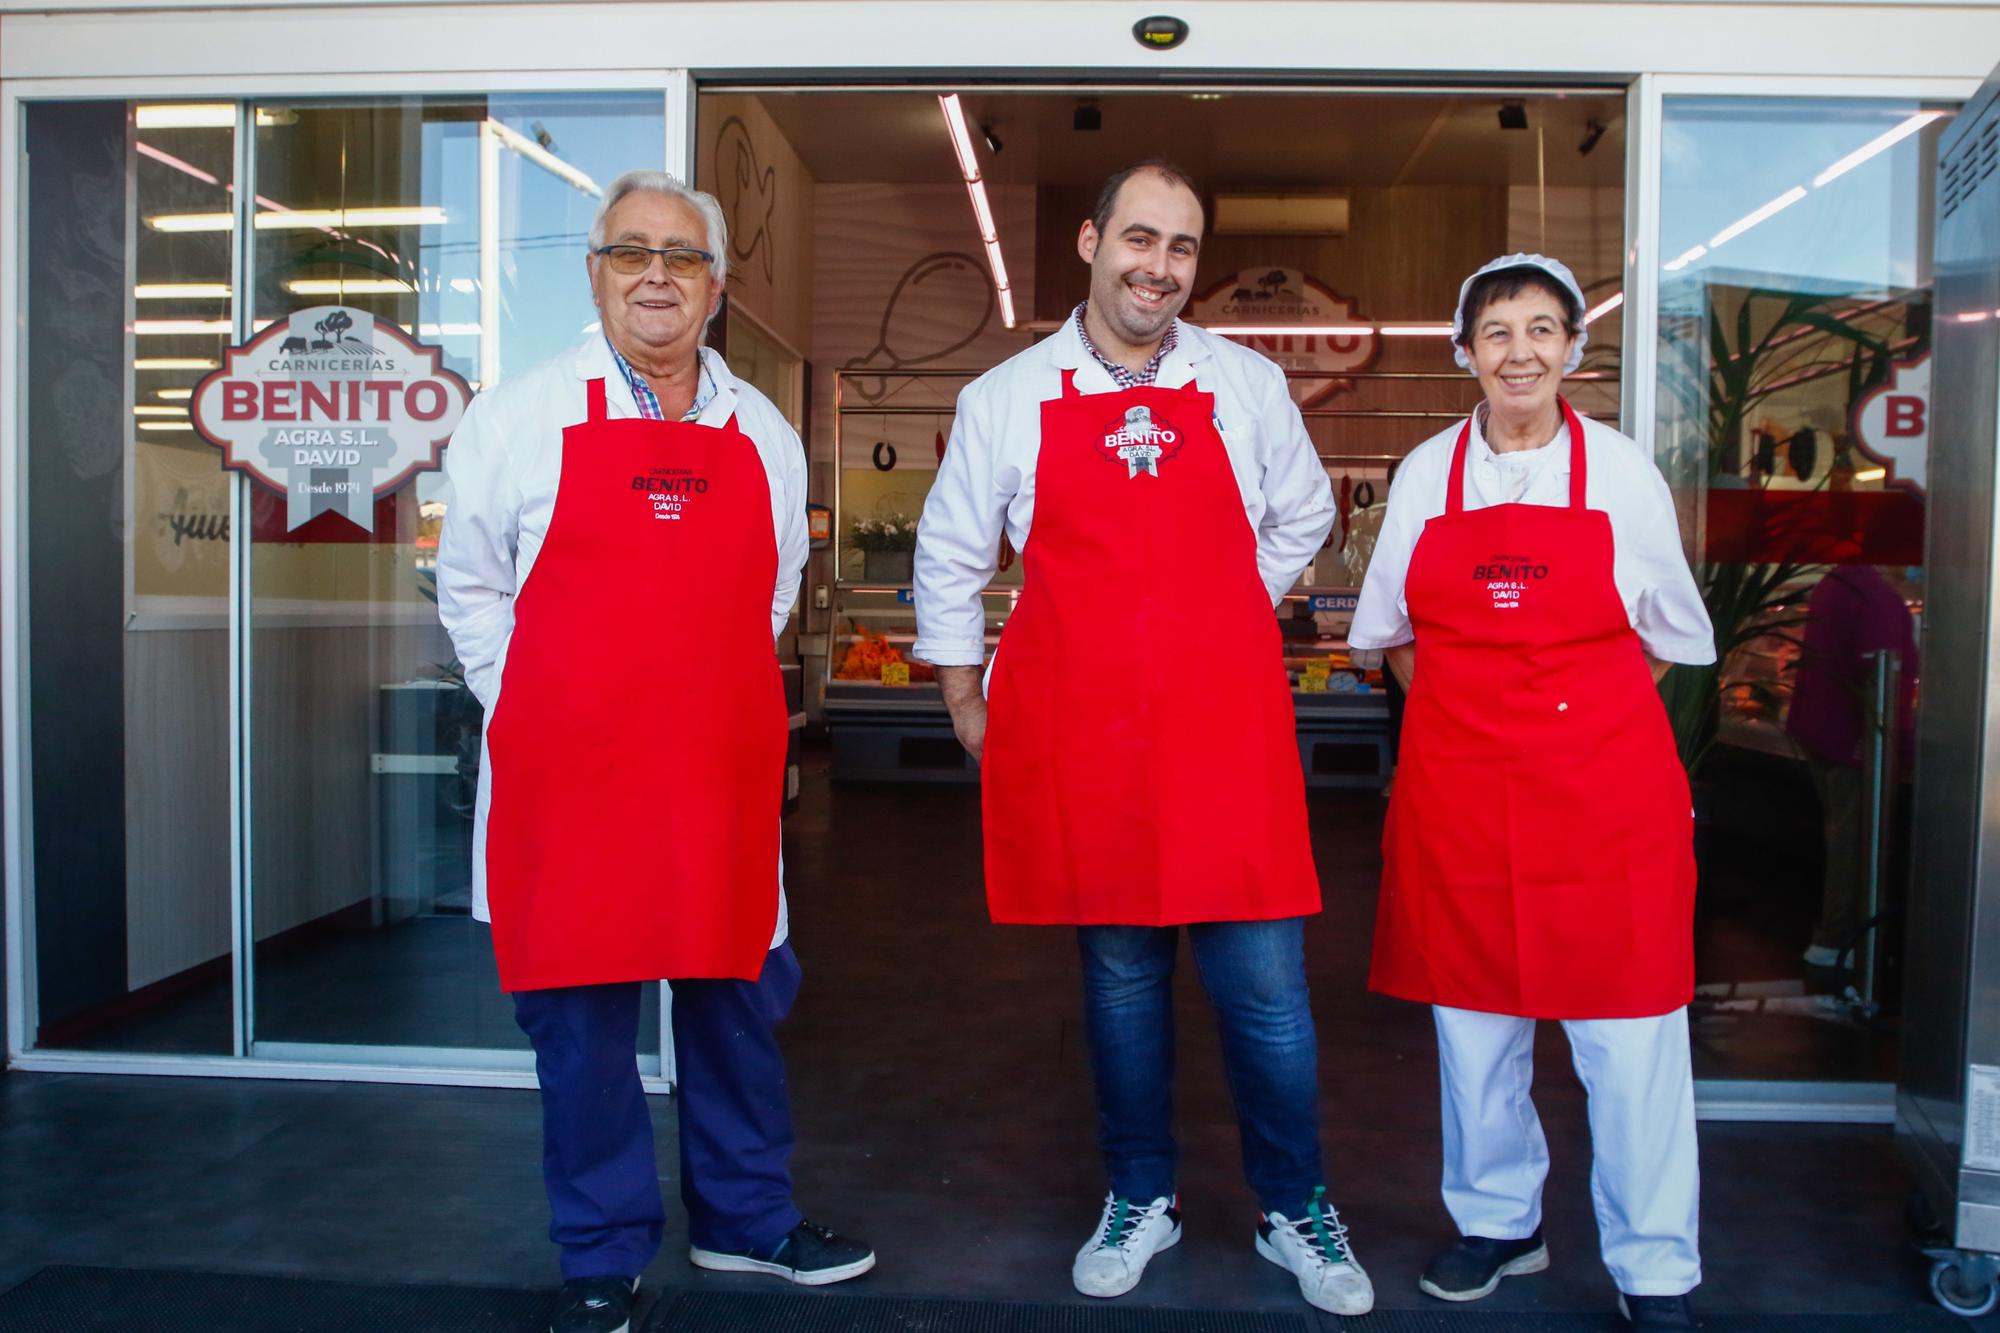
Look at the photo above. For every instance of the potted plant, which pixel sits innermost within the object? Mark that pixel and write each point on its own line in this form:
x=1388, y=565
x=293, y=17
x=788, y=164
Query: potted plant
x=887, y=543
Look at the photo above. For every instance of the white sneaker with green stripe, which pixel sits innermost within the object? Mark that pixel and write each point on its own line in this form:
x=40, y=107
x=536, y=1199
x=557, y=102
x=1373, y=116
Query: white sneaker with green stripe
x=1129, y=1234
x=1315, y=1250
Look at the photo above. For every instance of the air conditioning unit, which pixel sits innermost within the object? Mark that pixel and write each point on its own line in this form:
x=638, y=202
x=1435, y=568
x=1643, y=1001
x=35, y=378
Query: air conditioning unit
x=1281, y=214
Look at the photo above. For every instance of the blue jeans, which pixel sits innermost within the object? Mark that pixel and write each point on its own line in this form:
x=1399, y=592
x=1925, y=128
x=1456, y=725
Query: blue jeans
x=1254, y=973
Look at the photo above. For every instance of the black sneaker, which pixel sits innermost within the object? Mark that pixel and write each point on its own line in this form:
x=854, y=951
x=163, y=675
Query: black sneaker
x=1657, y=1311
x=809, y=1255
x=1473, y=1267
x=595, y=1305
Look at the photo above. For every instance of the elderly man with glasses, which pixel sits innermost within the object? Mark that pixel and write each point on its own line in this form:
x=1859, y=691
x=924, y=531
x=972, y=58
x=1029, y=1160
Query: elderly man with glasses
x=623, y=543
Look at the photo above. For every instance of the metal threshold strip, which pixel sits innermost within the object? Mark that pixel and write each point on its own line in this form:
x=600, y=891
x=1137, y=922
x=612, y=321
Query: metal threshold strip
x=1799, y=1101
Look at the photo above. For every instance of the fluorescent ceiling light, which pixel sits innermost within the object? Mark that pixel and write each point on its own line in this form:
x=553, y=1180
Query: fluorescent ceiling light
x=187, y=116
x=982, y=211
x=1872, y=474
x=166, y=425
x=348, y=286
x=1876, y=145
x=1604, y=307
x=1751, y=219
x=465, y=285
x=181, y=327
x=961, y=138
x=156, y=327
x=1291, y=330
x=174, y=393
x=1681, y=261
x=191, y=222
x=174, y=363
x=1416, y=330
x=157, y=410
x=1281, y=215
x=200, y=116
x=292, y=219
x=544, y=159
x=181, y=291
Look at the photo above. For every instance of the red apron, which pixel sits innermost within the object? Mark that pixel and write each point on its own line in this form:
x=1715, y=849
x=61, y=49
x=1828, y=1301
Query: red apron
x=638, y=746
x=1539, y=854
x=1141, y=763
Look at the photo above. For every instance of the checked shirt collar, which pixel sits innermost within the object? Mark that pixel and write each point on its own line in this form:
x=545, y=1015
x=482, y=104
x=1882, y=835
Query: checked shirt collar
x=649, y=402
x=1120, y=376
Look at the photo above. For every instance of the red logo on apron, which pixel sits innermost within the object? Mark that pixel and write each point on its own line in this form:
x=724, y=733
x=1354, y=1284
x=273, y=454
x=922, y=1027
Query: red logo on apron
x=1141, y=440
x=670, y=491
x=1508, y=578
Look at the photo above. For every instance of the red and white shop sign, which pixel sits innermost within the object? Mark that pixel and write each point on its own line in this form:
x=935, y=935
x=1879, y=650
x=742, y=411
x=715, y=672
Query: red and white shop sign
x=1270, y=298
x=1892, y=424
x=333, y=408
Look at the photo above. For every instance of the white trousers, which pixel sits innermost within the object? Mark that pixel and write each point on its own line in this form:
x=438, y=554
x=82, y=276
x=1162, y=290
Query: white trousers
x=1644, y=1176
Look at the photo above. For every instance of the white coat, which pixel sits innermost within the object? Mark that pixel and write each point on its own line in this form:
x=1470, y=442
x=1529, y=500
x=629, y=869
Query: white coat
x=504, y=464
x=986, y=482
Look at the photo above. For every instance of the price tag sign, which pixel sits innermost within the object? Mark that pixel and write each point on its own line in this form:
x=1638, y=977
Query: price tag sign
x=1315, y=677
x=895, y=673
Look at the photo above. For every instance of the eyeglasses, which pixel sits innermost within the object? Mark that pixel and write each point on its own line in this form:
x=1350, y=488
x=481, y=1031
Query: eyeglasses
x=681, y=261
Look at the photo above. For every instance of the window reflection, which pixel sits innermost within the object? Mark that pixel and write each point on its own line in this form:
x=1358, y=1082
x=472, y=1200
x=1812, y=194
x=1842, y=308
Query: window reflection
x=1794, y=336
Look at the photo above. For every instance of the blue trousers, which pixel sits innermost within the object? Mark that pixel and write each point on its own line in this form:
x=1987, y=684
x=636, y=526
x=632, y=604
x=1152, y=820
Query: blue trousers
x=597, y=1137
x=1254, y=972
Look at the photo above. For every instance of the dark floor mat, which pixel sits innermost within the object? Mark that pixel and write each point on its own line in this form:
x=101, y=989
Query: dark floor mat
x=78, y=1300
x=805, y=1312
x=796, y=1312
x=1501, y=1321
x=75, y=1300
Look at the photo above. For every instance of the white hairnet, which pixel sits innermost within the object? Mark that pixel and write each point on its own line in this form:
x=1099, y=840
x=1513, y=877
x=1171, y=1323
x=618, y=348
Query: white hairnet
x=1556, y=269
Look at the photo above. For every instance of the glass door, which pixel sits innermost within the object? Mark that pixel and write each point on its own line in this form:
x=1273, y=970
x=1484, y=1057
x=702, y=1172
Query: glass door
x=127, y=303
x=1793, y=393
x=462, y=222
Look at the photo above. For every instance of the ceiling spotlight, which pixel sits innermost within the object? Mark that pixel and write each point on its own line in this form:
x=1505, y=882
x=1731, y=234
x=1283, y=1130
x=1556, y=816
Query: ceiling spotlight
x=1593, y=130
x=992, y=139
x=1513, y=116
x=1087, y=117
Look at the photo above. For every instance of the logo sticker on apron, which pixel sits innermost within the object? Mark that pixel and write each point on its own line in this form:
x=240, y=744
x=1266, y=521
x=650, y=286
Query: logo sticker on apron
x=669, y=490
x=1507, y=577
x=1140, y=441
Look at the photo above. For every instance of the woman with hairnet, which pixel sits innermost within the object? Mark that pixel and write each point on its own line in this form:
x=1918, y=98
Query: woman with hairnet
x=1529, y=589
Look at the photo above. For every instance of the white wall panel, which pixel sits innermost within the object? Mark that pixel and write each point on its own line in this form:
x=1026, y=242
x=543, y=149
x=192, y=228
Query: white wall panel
x=274, y=47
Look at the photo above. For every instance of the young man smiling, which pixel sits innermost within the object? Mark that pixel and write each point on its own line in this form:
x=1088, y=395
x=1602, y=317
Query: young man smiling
x=1173, y=496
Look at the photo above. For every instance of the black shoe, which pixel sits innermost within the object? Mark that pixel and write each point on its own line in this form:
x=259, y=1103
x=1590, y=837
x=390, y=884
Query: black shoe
x=809, y=1255
x=1657, y=1311
x=1473, y=1267
x=595, y=1305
